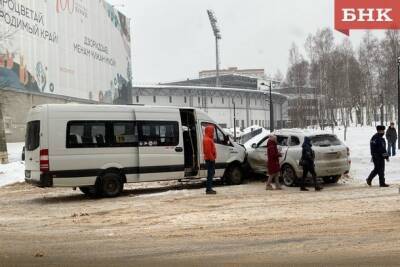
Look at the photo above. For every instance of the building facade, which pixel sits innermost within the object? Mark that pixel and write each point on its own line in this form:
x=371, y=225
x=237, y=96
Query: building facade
x=302, y=105
x=249, y=107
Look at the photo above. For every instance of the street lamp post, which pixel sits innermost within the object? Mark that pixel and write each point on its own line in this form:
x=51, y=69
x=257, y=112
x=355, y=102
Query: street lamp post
x=398, y=100
x=271, y=105
x=217, y=35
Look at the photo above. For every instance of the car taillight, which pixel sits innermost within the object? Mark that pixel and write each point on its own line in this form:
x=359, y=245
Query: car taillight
x=348, y=151
x=44, y=160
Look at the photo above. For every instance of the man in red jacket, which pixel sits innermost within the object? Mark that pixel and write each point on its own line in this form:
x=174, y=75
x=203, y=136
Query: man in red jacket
x=274, y=168
x=210, y=155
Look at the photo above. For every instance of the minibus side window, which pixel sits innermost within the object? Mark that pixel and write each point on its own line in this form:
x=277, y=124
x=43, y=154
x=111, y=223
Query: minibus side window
x=158, y=133
x=86, y=134
x=32, y=138
x=124, y=134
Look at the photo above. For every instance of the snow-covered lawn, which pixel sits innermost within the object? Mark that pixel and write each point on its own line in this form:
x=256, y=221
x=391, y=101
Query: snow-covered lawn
x=357, y=140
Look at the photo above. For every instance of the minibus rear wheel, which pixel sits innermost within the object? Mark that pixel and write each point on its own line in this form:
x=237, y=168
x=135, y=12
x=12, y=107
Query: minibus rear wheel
x=90, y=191
x=111, y=185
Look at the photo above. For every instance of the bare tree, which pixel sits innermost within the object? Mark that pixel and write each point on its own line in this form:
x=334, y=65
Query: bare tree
x=5, y=36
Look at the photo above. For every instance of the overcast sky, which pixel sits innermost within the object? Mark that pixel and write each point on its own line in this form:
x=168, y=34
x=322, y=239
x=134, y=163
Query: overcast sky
x=172, y=39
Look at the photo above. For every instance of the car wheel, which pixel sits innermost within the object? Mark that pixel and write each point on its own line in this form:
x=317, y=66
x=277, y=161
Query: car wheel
x=332, y=179
x=90, y=191
x=288, y=176
x=234, y=175
x=111, y=185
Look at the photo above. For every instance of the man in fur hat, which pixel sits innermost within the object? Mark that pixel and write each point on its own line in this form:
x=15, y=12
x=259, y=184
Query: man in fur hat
x=379, y=155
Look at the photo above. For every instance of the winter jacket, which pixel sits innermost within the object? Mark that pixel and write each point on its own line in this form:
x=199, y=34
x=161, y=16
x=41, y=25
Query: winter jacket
x=378, y=147
x=273, y=157
x=307, y=153
x=391, y=135
x=209, y=150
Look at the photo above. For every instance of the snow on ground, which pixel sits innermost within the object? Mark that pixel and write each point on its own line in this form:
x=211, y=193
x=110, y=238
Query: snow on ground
x=357, y=140
x=13, y=172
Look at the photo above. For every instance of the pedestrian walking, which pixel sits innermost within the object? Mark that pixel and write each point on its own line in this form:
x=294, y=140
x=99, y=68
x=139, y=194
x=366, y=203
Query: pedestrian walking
x=210, y=155
x=274, y=169
x=307, y=162
x=379, y=155
x=391, y=137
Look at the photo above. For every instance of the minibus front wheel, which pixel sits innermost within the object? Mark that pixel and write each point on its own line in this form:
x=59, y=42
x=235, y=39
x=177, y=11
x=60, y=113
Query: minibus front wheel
x=234, y=175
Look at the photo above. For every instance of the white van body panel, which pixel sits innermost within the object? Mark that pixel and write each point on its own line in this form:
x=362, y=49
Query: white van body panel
x=82, y=166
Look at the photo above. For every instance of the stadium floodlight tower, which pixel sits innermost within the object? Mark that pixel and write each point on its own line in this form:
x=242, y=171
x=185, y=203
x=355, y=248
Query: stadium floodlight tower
x=217, y=34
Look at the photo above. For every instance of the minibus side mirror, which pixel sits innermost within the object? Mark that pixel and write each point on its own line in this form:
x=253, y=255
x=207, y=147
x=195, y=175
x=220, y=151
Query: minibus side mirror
x=254, y=145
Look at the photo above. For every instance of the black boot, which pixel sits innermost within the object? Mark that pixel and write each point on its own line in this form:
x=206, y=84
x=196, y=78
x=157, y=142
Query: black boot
x=211, y=192
x=369, y=182
x=303, y=189
x=318, y=188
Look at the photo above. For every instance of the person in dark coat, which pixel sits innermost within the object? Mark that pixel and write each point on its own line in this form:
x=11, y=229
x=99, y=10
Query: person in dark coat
x=307, y=162
x=274, y=168
x=391, y=137
x=379, y=155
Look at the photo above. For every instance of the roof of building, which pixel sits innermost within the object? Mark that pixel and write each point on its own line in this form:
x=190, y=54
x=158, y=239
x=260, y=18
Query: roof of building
x=227, y=81
x=208, y=88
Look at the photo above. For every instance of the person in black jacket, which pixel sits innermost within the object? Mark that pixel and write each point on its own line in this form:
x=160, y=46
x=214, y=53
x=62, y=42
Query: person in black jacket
x=379, y=155
x=391, y=137
x=307, y=162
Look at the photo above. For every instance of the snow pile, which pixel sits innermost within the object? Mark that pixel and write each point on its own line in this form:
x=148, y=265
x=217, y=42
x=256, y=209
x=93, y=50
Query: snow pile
x=13, y=172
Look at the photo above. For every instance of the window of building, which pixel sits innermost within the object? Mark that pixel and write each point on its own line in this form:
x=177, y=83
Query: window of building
x=223, y=101
x=185, y=99
x=137, y=99
x=86, y=134
x=199, y=100
x=211, y=100
x=158, y=133
x=252, y=123
x=170, y=99
x=241, y=100
x=154, y=99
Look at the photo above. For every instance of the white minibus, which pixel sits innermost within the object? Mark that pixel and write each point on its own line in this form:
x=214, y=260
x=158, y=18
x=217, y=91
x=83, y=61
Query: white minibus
x=99, y=148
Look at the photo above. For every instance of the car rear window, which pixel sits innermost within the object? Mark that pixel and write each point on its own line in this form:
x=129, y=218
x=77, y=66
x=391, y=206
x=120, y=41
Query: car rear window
x=325, y=140
x=32, y=139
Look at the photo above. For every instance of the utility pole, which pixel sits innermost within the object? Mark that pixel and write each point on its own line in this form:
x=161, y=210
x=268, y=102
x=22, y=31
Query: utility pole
x=271, y=109
x=398, y=101
x=234, y=120
x=217, y=35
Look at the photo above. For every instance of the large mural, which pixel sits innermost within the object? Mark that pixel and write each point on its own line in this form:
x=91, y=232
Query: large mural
x=76, y=48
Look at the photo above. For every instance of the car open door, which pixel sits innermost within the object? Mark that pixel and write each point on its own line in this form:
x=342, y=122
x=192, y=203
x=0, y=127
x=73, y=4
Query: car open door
x=161, y=154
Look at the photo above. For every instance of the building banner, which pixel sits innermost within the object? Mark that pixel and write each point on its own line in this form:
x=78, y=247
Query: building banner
x=75, y=48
